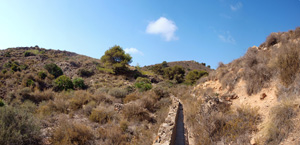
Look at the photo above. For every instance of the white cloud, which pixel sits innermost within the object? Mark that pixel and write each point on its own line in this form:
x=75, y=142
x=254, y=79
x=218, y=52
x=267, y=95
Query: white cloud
x=164, y=27
x=237, y=6
x=133, y=51
x=227, y=38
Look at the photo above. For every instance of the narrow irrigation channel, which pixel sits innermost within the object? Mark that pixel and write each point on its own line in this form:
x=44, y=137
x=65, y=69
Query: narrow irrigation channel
x=180, y=138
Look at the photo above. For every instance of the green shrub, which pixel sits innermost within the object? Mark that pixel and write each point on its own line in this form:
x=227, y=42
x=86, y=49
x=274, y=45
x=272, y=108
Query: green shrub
x=53, y=69
x=42, y=75
x=1, y=103
x=174, y=73
x=4, y=71
x=27, y=53
x=85, y=73
x=13, y=65
x=7, y=54
x=63, y=83
x=30, y=83
x=194, y=75
x=18, y=127
x=143, y=84
x=79, y=83
x=118, y=92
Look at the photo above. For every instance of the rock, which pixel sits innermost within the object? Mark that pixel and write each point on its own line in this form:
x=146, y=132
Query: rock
x=263, y=96
x=252, y=141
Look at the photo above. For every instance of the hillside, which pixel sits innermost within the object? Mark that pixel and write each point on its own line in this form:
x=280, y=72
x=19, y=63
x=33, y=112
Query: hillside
x=69, y=98
x=253, y=99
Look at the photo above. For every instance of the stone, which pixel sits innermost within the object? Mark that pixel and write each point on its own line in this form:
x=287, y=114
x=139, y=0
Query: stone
x=263, y=96
x=252, y=141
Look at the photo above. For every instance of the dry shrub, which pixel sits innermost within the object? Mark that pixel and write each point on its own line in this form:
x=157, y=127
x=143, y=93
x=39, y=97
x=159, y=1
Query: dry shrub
x=69, y=133
x=257, y=74
x=229, y=80
x=59, y=104
x=118, y=92
x=103, y=115
x=148, y=101
x=39, y=96
x=80, y=98
x=134, y=111
x=257, y=78
x=288, y=64
x=280, y=124
x=297, y=32
x=131, y=97
x=291, y=92
x=272, y=39
x=18, y=127
x=238, y=127
x=87, y=109
x=100, y=96
x=113, y=135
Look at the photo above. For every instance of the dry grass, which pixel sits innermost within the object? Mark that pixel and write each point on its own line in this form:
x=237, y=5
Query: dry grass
x=69, y=133
x=280, y=124
x=80, y=98
x=103, y=115
x=288, y=63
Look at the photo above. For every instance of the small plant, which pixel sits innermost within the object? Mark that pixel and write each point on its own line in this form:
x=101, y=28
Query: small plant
x=42, y=75
x=85, y=73
x=7, y=54
x=63, y=83
x=28, y=53
x=79, y=83
x=118, y=92
x=101, y=115
x=4, y=71
x=131, y=97
x=143, y=84
x=1, y=103
x=54, y=69
x=30, y=83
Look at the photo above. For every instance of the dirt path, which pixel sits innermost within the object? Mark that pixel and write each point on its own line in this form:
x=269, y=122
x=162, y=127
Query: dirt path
x=180, y=139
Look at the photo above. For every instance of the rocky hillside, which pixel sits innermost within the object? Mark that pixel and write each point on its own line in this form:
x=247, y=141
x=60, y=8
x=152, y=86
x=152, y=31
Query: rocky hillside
x=253, y=99
x=66, y=98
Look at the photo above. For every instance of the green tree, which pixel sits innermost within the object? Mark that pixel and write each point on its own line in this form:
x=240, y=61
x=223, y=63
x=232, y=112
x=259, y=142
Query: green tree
x=116, y=59
x=174, y=73
x=194, y=75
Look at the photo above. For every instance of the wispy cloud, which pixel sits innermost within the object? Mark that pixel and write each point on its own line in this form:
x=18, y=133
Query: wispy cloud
x=237, y=6
x=225, y=16
x=133, y=51
x=227, y=38
x=164, y=27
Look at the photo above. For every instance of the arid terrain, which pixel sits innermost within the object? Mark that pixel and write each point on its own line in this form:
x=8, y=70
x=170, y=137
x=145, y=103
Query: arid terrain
x=59, y=97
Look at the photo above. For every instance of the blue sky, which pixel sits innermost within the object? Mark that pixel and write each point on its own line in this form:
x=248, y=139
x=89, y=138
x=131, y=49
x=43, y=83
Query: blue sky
x=152, y=31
